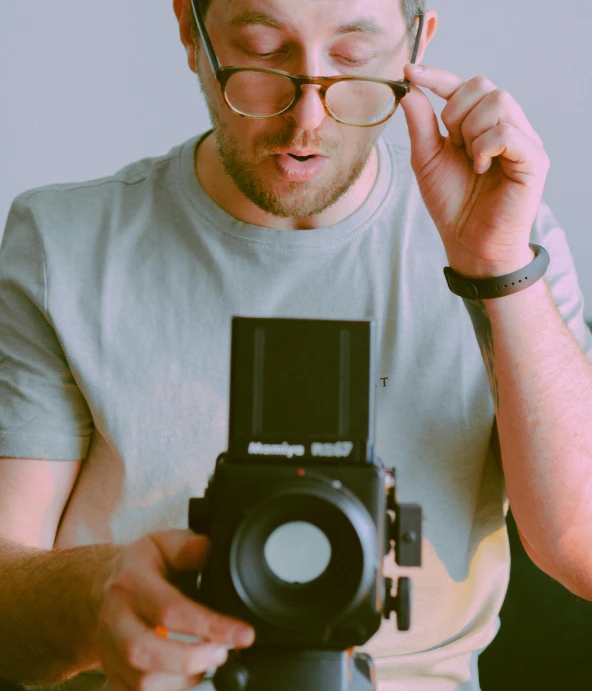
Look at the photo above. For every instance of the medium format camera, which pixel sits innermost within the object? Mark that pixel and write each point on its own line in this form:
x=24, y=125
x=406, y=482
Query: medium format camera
x=300, y=512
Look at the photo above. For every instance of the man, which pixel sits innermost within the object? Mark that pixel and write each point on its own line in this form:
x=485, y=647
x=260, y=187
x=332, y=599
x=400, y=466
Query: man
x=115, y=304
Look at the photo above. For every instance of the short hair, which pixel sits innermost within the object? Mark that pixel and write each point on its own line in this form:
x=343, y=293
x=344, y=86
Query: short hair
x=410, y=9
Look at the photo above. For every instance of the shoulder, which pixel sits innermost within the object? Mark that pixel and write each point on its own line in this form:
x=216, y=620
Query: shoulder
x=61, y=218
x=136, y=177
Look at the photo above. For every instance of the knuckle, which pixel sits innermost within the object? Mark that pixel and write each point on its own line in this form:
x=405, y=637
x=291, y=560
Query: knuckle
x=137, y=653
x=110, y=607
x=138, y=656
x=120, y=583
x=191, y=664
x=202, y=659
x=169, y=615
x=467, y=130
x=481, y=83
x=500, y=96
x=215, y=627
x=446, y=115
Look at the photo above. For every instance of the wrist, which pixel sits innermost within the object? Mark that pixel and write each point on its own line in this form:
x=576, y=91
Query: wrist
x=102, y=572
x=480, y=268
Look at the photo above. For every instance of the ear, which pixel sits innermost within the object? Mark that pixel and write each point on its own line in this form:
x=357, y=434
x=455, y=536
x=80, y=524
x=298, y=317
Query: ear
x=430, y=26
x=184, y=13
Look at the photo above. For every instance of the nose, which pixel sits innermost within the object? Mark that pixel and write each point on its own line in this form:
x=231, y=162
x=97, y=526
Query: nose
x=308, y=112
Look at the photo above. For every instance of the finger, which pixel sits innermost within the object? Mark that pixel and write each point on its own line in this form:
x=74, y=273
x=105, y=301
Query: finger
x=166, y=682
x=181, y=549
x=467, y=120
x=440, y=82
x=520, y=158
x=158, y=603
x=156, y=682
x=461, y=104
x=135, y=647
x=424, y=131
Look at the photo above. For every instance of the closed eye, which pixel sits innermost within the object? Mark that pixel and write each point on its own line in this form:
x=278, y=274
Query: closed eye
x=263, y=56
x=349, y=61
x=352, y=61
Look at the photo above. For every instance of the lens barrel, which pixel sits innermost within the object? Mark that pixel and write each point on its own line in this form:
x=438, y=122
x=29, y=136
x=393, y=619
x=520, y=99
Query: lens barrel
x=351, y=571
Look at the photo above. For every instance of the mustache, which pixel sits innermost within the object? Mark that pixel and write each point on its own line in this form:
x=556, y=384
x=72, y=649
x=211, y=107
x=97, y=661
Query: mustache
x=269, y=145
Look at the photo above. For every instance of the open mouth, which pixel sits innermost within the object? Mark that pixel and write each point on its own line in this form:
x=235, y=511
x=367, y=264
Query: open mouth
x=300, y=168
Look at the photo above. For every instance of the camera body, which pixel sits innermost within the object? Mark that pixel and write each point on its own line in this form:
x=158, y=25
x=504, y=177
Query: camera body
x=301, y=457
x=247, y=502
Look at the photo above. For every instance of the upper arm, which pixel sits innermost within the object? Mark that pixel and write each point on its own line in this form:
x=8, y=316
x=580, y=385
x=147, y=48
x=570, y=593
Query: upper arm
x=43, y=412
x=33, y=495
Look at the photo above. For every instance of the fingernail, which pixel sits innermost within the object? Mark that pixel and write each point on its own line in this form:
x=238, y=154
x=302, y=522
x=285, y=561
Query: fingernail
x=244, y=636
x=219, y=655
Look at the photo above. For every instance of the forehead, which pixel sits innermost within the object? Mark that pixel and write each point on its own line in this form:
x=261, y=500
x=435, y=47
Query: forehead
x=373, y=17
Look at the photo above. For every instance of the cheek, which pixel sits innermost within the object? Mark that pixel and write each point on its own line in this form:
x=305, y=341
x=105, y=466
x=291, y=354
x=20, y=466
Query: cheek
x=209, y=83
x=357, y=141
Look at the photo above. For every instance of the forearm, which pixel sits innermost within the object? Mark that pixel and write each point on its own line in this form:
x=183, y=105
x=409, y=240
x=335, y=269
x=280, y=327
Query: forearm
x=541, y=385
x=47, y=613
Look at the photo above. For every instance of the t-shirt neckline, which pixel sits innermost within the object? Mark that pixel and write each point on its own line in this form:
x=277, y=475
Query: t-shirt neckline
x=316, y=238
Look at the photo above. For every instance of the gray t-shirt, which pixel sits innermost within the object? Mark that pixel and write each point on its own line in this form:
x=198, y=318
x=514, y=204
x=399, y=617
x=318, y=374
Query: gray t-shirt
x=116, y=298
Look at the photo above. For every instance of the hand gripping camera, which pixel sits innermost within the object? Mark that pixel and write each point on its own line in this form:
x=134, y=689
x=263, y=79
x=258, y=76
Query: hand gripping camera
x=300, y=512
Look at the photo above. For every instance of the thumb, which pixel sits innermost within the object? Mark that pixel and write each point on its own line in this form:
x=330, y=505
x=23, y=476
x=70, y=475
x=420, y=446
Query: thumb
x=424, y=131
x=182, y=549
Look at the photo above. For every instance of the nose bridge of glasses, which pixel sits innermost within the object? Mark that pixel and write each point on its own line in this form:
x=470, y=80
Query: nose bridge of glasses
x=307, y=108
x=311, y=84
x=304, y=85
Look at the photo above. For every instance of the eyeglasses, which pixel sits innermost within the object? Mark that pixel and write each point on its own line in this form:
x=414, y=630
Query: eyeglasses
x=260, y=92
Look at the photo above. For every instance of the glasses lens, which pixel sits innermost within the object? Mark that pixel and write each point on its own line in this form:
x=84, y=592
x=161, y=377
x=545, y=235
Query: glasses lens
x=259, y=93
x=358, y=102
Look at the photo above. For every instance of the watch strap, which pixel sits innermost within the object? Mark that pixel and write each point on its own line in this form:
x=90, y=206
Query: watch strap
x=497, y=287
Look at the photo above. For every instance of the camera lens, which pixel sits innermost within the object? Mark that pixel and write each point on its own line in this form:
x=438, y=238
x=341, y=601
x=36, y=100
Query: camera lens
x=297, y=552
x=338, y=563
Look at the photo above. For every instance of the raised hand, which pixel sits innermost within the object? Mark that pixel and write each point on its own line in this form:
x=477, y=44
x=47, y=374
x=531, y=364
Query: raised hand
x=483, y=183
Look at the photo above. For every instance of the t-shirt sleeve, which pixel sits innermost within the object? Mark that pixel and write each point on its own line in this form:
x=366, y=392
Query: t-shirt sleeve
x=43, y=413
x=562, y=279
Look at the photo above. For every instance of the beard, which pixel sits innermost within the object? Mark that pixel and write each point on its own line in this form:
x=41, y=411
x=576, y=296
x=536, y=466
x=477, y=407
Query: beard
x=297, y=199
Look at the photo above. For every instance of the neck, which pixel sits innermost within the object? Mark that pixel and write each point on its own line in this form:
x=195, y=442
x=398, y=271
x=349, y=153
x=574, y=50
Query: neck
x=222, y=190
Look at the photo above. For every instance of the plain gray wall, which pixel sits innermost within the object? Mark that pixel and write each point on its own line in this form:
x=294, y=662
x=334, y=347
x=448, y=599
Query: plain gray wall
x=86, y=87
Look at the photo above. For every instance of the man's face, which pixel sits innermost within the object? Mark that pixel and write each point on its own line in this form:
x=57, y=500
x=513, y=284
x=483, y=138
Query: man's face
x=310, y=37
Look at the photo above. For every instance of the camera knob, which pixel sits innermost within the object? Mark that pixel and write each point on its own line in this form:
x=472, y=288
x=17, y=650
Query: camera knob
x=231, y=676
x=401, y=603
x=391, y=491
x=199, y=515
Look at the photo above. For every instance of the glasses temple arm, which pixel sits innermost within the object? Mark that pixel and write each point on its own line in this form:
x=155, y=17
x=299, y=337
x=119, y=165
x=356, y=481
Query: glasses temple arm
x=417, y=39
x=211, y=55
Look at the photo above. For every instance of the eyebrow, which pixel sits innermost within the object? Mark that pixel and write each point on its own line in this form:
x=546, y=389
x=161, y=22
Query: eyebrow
x=366, y=26
x=362, y=25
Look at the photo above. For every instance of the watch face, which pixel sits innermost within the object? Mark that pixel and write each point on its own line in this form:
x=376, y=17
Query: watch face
x=460, y=286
